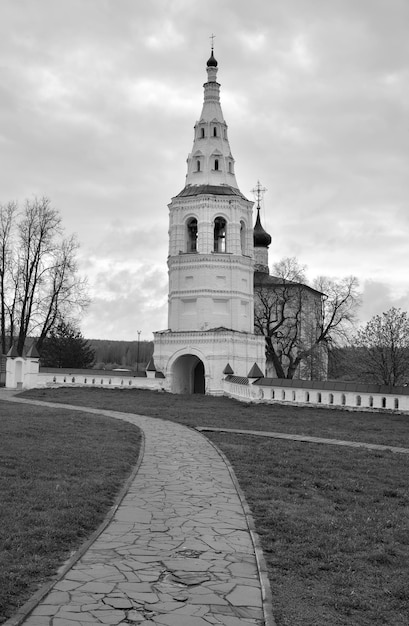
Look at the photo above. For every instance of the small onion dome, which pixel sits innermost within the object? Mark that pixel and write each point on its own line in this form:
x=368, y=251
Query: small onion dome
x=212, y=61
x=260, y=237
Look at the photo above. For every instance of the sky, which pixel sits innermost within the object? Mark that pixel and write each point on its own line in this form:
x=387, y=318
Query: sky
x=98, y=99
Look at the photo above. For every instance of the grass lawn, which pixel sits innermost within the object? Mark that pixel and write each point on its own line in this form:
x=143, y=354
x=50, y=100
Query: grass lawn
x=197, y=410
x=60, y=471
x=333, y=521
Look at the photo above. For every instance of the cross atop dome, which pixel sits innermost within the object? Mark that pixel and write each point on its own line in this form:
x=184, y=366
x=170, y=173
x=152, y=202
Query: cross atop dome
x=212, y=61
x=262, y=239
x=259, y=192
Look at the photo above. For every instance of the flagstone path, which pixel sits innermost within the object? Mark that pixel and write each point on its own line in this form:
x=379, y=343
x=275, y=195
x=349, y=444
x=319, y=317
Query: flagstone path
x=179, y=551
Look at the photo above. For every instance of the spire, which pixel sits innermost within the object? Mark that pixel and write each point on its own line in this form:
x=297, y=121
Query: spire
x=212, y=61
x=261, y=238
x=210, y=161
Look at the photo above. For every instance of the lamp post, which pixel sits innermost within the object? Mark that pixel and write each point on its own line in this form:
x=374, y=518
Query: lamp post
x=137, y=351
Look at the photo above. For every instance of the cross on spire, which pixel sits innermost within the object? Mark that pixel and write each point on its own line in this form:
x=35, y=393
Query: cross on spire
x=212, y=37
x=259, y=192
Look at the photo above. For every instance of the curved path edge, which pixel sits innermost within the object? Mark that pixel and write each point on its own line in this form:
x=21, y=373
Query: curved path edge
x=266, y=596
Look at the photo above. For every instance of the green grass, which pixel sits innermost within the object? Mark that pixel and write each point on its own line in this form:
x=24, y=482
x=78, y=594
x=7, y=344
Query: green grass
x=334, y=527
x=333, y=521
x=196, y=410
x=60, y=471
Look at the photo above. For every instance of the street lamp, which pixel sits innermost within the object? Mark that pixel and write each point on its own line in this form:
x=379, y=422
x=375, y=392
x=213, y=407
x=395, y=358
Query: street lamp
x=137, y=351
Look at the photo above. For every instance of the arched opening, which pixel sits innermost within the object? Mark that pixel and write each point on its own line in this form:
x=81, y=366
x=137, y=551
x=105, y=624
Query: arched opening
x=188, y=375
x=202, y=133
x=192, y=235
x=220, y=226
x=215, y=132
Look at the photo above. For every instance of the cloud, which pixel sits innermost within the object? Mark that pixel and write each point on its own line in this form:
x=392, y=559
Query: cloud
x=98, y=101
x=126, y=300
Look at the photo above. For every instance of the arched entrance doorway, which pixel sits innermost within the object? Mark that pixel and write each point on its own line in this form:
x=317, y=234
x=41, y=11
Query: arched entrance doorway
x=188, y=375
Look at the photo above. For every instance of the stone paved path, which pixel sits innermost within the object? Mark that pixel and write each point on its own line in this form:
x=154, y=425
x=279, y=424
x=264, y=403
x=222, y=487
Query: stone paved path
x=178, y=552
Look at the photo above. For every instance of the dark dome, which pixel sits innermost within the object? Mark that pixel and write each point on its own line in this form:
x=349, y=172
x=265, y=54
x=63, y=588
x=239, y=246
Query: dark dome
x=212, y=61
x=260, y=237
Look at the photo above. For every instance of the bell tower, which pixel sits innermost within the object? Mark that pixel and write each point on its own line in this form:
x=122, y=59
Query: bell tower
x=210, y=263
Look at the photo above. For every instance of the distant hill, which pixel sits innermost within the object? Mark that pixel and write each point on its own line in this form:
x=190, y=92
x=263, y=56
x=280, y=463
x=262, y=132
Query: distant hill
x=113, y=354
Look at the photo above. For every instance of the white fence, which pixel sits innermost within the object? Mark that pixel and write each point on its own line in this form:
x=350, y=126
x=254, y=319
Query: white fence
x=97, y=378
x=307, y=393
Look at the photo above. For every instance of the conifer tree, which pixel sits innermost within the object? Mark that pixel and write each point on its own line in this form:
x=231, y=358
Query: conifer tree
x=66, y=347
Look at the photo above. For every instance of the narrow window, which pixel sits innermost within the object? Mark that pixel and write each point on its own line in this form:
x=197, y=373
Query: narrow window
x=307, y=396
x=192, y=235
x=283, y=394
x=202, y=133
x=272, y=394
x=197, y=166
x=215, y=132
x=230, y=167
x=216, y=164
x=220, y=234
x=358, y=401
x=343, y=399
x=331, y=398
x=319, y=398
x=370, y=401
x=293, y=396
x=243, y=237
x=384, y=403
x=396, y=404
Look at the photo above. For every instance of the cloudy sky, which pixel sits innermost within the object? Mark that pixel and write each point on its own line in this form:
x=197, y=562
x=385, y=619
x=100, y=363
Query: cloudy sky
x=98, y=99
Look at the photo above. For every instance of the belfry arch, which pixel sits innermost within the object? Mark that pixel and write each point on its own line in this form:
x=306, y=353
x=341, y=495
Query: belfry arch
x=188, y=375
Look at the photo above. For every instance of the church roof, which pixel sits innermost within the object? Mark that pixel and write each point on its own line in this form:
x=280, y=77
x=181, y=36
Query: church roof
x=212, y=61
x=261, y=279
x=255, y=372
x=198, y=190
x=32, y=352
x=13, y=353
x=261, y=237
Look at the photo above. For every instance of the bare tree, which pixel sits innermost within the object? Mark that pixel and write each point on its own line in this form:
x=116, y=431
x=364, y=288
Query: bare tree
x=299, y=322
x=383, y=348
x=38, y=273
x=7, y=214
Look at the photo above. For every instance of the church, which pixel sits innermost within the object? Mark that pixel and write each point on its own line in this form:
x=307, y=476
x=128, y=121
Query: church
x=218, y=269
x=211, y=266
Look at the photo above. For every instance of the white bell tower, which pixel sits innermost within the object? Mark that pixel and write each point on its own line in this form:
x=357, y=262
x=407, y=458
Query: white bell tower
x=211, y=265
